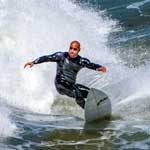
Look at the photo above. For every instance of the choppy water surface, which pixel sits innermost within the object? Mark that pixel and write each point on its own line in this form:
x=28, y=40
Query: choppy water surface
x=114, y=34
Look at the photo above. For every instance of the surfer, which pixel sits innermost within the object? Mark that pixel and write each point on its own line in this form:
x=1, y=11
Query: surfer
x=68, y=65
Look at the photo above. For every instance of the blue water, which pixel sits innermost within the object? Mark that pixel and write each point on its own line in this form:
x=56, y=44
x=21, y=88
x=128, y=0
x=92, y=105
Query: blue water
x=113, y=33
x=133, y=17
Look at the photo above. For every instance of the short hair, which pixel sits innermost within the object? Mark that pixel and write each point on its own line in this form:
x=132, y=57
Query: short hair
x=77, y=42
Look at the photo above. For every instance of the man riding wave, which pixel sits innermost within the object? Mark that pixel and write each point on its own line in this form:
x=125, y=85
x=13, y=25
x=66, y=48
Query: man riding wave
x=68, y=65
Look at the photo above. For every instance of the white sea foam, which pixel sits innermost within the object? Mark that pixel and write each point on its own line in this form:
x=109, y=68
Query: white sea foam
x=138, y=4
x=134, y=104
x=7, y=127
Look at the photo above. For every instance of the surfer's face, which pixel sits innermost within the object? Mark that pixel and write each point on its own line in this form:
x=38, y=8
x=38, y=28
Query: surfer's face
x=74, y=50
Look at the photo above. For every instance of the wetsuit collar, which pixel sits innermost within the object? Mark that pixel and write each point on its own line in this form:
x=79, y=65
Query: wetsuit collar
x=72, y=58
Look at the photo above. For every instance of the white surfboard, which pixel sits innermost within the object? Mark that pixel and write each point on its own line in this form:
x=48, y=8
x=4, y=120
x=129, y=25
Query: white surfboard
x=97, y=106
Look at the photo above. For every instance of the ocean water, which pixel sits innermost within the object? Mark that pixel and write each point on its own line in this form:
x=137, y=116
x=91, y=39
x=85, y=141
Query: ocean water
x=112, y=33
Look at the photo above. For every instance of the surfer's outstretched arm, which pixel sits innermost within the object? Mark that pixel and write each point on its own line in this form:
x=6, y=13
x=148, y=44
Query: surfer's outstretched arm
x=90, y=65
x=47, y=58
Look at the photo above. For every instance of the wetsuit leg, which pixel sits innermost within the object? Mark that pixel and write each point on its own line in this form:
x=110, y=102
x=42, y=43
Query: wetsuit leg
x=79, y=97
x=74, y=92
x=83, y=89
x=79, y=92
x=65, y=89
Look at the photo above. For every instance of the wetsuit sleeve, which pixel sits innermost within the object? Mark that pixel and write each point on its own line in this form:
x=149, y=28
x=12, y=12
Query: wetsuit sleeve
x=49, y=58
x=86, y=63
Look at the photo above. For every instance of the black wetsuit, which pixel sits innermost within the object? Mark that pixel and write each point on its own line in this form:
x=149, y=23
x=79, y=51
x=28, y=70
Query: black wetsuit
x=67, y=69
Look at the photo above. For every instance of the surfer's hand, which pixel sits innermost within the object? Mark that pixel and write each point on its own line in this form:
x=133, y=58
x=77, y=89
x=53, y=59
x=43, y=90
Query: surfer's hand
x=30, y=64
x=102, y=69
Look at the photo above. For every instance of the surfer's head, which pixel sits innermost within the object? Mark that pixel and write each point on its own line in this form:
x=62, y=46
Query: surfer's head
x=74, y=49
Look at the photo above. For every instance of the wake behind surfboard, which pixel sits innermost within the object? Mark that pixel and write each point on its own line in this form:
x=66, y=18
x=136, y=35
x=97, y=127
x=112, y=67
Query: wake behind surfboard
x=97, y=106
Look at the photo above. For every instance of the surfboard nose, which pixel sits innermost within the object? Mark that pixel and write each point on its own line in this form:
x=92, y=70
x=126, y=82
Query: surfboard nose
x=97, y=106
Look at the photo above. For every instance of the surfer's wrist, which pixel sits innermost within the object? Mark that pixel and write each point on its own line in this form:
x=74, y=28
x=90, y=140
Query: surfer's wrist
x=102, y=69
x=34, y=62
